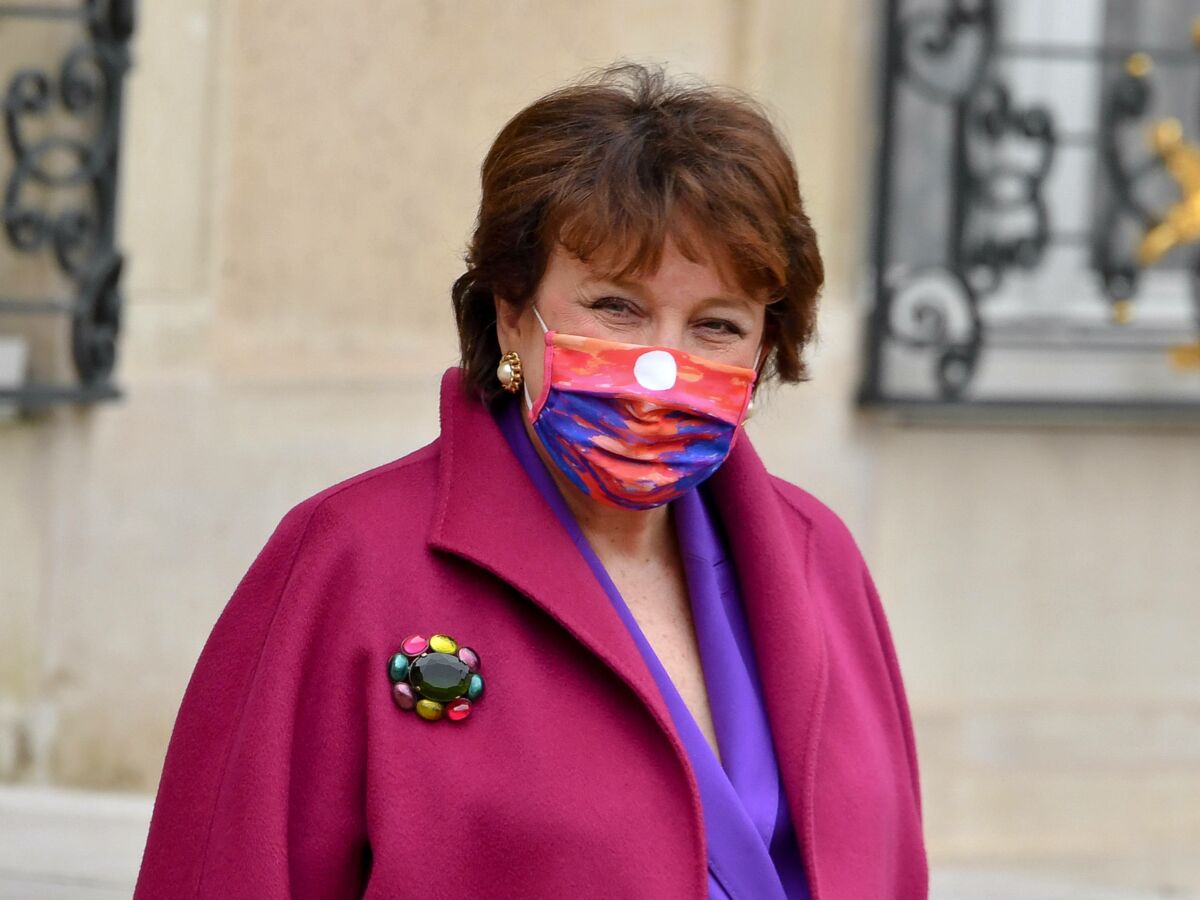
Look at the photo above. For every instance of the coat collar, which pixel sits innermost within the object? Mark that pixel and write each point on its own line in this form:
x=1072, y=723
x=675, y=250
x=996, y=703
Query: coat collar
x=480, y=476
x=769, y=542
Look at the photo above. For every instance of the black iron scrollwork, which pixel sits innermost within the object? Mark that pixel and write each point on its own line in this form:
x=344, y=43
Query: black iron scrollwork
x=1129, y=236
x=945, y=53
x=97, y=320
x=945, y=56
x=62, y=125
x=1128, y=213
x=1005, y=222
x=935, y=308
x=1000, y=155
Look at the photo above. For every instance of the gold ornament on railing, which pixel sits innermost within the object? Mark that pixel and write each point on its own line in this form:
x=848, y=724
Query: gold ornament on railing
x=1185, y=357
x=1181, y=224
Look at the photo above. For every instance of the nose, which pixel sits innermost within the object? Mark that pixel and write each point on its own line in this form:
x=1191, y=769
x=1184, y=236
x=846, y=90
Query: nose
x=668, y=334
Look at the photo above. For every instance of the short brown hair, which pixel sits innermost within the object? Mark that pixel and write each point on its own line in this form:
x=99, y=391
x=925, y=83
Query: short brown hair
x=612, y=165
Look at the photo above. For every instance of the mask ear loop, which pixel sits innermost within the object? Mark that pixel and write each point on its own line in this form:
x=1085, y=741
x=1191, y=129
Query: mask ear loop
x=758, y=358
x=525, y=384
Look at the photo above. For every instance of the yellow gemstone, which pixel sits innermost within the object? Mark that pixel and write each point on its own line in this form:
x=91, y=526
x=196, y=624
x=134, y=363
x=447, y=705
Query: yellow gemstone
x=429, y=709
x=443, y=644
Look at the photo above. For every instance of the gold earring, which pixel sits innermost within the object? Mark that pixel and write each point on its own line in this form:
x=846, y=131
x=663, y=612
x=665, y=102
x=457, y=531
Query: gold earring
x=509, y=372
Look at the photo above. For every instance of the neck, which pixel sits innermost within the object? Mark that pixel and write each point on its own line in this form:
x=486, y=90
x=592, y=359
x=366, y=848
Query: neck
x=611, y=530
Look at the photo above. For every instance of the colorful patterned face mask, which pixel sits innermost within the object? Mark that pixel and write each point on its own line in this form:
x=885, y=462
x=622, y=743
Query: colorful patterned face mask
x=636, y=426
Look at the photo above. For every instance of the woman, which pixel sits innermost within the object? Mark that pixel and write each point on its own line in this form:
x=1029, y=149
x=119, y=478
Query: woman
x=690, y=686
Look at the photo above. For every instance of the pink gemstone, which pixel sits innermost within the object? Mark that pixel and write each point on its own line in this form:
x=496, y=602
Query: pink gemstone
x=470, y=657
x=415, y=644
x=457, y=710
x=402, y=693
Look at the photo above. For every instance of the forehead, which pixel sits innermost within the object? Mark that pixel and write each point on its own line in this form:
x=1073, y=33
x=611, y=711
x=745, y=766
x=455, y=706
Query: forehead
x=677, y=267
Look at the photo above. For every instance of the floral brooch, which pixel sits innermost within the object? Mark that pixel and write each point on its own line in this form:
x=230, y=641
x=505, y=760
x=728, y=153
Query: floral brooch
x=436, y=677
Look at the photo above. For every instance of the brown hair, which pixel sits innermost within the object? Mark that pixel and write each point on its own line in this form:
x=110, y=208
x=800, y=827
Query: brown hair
x=610, y=167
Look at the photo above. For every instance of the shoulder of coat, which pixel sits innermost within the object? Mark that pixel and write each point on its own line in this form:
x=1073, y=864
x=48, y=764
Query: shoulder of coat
x=828, y=528
x=403, y=480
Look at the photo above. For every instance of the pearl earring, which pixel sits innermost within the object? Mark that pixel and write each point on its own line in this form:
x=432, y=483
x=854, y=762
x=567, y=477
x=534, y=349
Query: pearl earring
x=509, y=372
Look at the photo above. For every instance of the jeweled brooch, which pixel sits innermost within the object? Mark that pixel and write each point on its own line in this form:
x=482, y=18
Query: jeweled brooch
x=436, y=677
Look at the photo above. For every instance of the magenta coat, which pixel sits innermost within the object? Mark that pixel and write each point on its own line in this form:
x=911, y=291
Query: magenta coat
x=291, y=773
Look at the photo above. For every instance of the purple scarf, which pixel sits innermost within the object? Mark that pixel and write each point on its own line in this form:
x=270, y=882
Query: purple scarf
x=752, y=847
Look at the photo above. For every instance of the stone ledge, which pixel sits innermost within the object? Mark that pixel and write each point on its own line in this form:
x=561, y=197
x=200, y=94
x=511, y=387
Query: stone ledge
x=60, y=843
x=976, y=884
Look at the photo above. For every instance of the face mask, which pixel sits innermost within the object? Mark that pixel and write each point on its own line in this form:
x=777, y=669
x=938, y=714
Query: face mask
x=636, y=426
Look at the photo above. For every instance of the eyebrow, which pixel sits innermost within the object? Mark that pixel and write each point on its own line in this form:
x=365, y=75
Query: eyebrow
x=635, y=287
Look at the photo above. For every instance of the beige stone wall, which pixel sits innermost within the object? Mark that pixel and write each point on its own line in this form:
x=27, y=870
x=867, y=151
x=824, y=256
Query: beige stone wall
x=298, y=186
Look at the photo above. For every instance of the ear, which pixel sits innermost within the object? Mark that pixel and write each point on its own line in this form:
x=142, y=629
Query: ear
x=508, y=315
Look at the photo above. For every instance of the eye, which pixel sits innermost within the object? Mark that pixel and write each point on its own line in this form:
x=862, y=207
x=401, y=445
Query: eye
x=616, y=306
x=722, y=328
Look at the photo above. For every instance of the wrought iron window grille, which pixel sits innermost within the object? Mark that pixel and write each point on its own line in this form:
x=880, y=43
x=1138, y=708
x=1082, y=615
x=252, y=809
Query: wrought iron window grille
x=62, y=123
x=1036, y=210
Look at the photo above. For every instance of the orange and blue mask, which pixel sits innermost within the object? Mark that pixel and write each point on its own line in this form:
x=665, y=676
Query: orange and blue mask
x=636, y=426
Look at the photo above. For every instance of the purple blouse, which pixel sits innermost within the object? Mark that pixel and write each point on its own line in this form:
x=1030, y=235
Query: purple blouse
x=753, y=852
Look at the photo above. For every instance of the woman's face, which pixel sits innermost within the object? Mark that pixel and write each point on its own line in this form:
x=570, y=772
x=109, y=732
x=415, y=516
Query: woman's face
x=684, y=305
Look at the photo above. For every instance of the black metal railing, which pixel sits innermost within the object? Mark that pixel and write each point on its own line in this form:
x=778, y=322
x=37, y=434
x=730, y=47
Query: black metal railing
x=62, y=129
x=1036, y=212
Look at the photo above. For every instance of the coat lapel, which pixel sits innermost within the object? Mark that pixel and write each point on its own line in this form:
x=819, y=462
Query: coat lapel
x=489, y=513
x=771, y=549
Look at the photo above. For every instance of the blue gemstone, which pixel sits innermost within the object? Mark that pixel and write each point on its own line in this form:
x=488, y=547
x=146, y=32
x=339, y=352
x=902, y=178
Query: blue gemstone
x=398, y=668
x=475, y=688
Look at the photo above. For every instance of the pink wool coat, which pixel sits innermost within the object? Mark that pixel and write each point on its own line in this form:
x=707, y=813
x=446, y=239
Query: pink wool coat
x=291, y=773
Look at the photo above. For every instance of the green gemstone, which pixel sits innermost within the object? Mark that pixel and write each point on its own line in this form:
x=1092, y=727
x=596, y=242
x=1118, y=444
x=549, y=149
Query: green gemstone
x=439, y=676
x=475, y=688
x=398, y=668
